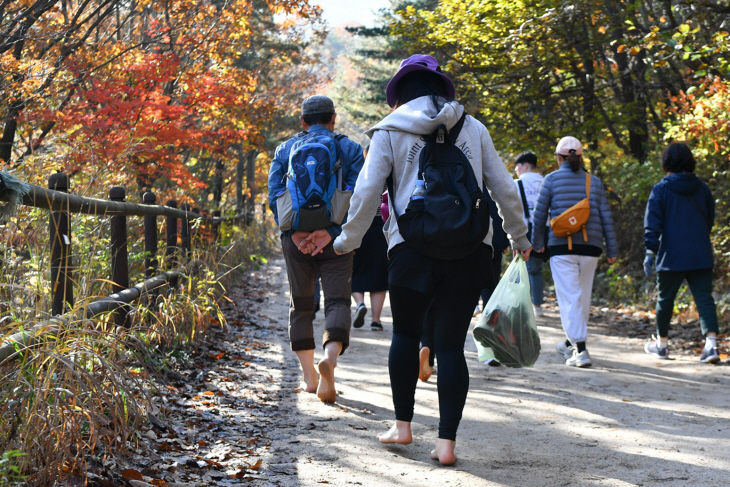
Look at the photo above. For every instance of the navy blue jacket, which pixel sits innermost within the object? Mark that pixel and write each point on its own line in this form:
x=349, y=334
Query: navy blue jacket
x=351, y=160
x=676, y=229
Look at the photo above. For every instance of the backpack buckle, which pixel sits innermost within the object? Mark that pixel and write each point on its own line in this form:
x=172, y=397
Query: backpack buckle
x=440, y=137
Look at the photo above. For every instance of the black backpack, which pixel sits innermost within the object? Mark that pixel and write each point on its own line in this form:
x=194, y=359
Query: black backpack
x=452, y=219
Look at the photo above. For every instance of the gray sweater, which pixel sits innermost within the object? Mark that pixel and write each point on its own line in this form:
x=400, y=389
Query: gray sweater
x=395, y=147
x=562, y=189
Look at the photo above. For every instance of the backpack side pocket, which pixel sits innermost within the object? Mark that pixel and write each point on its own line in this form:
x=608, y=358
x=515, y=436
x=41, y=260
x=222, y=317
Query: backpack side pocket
x=339, y=205
x=285, y=210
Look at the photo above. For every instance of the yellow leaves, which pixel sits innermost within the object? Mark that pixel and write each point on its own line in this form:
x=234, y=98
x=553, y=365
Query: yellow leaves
x=602, y=29
x=684, y=28
x=622, y=48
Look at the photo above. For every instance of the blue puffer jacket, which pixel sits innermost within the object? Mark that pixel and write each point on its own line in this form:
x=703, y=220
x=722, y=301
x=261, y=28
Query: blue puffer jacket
x=676, y=229
x=562, y=189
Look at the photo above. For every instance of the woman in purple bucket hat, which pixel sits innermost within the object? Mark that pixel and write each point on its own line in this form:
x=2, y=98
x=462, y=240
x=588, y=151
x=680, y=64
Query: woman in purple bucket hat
x=423, y=99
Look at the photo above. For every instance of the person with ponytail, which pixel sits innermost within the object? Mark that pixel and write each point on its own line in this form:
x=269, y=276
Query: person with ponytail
x=423, y=99
x=573, y=258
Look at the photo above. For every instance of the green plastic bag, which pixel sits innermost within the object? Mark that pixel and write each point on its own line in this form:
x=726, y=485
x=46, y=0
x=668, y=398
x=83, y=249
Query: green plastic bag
x=507, y=325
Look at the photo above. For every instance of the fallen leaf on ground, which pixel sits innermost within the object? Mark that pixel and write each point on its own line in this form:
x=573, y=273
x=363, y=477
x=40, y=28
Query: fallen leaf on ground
x=131, y=474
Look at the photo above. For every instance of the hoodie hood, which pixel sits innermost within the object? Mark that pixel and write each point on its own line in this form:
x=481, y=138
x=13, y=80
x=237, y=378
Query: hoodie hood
x=419, y=117
x=682, y=183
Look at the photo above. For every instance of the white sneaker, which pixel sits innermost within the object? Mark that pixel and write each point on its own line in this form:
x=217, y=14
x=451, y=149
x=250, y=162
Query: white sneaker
x=538, y=310
x=564, y=350
x=581, y=359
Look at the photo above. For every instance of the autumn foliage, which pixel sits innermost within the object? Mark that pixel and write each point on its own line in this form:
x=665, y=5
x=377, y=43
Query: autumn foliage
x=146, y=90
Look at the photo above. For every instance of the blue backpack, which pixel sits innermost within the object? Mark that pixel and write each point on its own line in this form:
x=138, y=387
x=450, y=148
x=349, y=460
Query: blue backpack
x=313, y=178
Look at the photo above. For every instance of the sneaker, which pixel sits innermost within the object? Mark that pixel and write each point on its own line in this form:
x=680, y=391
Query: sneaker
x=538, y=310
x=710, y=356
x=375, y=326
x=492, y=363
x=653, y=349
x=581, y=359
x=360, y=313
x=564, y=350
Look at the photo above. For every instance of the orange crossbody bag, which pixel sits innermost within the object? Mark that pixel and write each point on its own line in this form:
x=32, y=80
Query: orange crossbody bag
x=574, y=218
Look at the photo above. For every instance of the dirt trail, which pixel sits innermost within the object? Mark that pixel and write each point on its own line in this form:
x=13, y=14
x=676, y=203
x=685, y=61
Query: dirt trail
x=629, y=420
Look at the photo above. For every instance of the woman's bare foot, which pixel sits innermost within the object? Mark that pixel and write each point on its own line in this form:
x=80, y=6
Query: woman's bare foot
x=310, y=381
x=326, y=389
x=399, y=433
x=424, y=373
x=444, y=452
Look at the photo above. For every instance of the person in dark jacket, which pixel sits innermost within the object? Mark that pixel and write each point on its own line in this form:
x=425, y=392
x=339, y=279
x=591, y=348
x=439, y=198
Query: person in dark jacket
x=679, y=216
x=573, y=259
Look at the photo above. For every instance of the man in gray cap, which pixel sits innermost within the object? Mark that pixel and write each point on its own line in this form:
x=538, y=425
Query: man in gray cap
x=307, y=241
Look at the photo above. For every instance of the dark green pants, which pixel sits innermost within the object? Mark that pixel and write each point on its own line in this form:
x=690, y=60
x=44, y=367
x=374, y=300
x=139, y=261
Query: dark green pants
x=700, y=283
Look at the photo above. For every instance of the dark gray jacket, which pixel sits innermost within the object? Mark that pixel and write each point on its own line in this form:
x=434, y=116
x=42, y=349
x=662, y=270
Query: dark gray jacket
x=562, y=189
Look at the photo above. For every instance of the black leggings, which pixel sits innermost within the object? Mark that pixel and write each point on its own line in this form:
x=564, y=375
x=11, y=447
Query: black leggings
x=451, y=310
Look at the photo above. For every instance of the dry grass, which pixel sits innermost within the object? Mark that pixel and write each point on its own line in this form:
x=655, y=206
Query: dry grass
x=77, y=395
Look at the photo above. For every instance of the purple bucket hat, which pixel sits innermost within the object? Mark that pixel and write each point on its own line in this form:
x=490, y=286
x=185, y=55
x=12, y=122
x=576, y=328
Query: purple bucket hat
x=418, y=62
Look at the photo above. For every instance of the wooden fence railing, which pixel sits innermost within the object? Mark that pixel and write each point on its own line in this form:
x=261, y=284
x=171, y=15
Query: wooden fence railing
x=62, y=205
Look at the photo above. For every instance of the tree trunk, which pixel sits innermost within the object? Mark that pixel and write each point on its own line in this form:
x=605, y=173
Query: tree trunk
x=251, y=185
x=240, y=171
x=218, y=184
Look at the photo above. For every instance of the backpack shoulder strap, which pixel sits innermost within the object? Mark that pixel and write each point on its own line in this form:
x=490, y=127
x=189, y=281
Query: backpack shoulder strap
x=588, y=187
x=339, y=137
x=525, y=210
x=456, y=129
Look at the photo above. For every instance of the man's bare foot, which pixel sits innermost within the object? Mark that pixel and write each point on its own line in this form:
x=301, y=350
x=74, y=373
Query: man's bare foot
x=444, y=452
x=310, y=381
x=399, y=433
x=425, y=371
x=326, y=389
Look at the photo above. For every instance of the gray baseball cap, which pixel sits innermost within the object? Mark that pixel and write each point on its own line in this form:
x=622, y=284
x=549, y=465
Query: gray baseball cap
x=317, y=104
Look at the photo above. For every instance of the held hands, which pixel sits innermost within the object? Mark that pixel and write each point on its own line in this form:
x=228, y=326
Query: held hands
x=313, y=243
x=649, y=264
x=298, y=236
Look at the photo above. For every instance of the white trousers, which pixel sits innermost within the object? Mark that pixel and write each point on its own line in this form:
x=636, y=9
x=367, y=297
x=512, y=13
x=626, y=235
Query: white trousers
x=573, y=277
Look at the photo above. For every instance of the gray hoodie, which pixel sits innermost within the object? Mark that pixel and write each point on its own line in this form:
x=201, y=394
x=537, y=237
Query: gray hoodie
x=395, y=147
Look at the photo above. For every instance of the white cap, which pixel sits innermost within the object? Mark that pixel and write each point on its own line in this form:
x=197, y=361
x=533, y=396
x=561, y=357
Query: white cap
x=568, y=144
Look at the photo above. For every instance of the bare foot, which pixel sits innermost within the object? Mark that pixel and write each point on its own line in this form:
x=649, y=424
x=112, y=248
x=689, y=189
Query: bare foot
x=326, y=389
x=444, y=452
x=310, y=381
x=426, y=370
x=399, y=433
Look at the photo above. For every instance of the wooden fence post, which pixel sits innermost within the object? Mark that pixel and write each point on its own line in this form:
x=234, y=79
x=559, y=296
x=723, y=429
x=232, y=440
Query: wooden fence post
x=150, y=237
x=216, y=225
x=60, y=238
x=171, y=247
x=120, y=262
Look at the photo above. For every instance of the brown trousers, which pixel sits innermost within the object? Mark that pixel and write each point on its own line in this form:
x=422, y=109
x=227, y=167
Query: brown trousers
x=336, y=275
